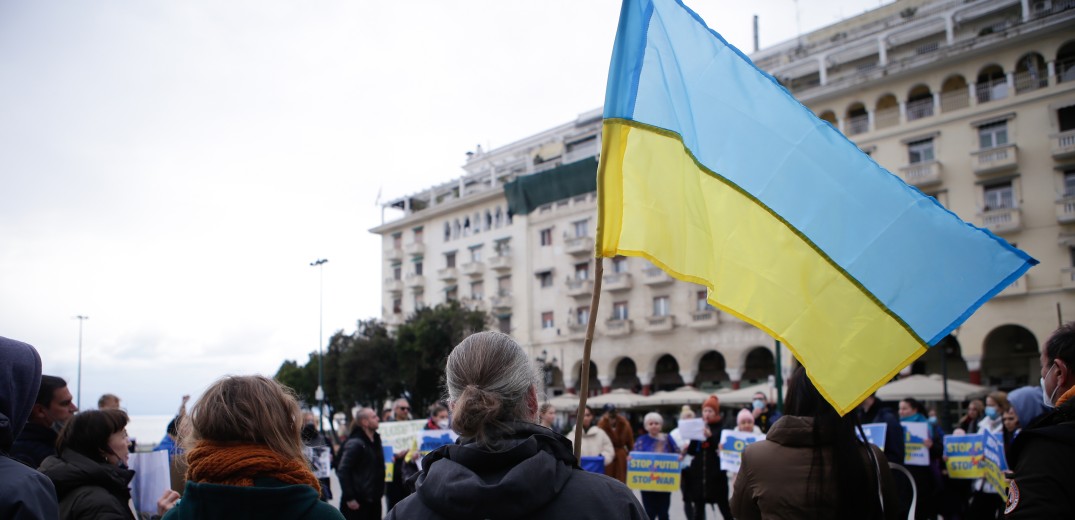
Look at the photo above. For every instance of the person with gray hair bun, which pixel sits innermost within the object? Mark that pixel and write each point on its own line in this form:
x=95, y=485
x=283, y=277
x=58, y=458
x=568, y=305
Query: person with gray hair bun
x=505, y=465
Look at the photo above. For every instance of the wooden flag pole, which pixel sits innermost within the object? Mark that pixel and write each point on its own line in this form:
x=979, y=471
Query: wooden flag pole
x=594, y=300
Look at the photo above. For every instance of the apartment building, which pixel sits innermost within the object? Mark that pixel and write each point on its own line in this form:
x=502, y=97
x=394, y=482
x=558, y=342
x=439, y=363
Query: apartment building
x=972, y=102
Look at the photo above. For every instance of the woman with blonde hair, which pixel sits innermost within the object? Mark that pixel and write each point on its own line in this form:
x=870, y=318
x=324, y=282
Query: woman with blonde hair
x=245, y=455
x=505, y=465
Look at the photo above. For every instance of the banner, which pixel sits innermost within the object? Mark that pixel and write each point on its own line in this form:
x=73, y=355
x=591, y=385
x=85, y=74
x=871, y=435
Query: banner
x=964, y=454
x=732, y=444
x=433, y=439
x=152, y=477
x=994, y=464
x=401, y=435
x=653, y=471
x=914, y=441
x=875, y=434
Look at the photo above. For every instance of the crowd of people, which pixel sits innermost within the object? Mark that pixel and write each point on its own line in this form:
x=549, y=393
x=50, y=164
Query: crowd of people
x=245, y=452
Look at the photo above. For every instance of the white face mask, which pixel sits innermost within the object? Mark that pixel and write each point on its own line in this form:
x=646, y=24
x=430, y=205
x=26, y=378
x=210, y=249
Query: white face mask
x=1046, y=397
x=443, y=424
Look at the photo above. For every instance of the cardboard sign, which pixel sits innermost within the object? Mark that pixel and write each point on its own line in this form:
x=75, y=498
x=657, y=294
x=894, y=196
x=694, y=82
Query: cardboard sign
x=914, y=443
x=732, y=444
x=964, y=454
x=389, y=466
x=875, y=434
x=994, y=464
x=401, y=435
x=653, y=471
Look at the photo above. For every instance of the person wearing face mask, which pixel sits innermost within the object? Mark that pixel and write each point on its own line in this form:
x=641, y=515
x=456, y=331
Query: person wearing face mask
x=703, y=482
x=438, y=418
x=314, y=442
x=927, y=478
x=764, y=414
x=985, y=502
x=1043, y=453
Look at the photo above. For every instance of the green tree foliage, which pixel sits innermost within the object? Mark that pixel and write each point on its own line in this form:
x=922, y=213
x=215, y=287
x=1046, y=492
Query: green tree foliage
x=423, y=343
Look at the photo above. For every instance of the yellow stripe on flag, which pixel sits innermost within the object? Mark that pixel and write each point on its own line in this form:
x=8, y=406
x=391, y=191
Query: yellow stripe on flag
x=657, y=202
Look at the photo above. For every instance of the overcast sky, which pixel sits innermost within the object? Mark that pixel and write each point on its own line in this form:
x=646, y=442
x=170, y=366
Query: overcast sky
x=170, y=169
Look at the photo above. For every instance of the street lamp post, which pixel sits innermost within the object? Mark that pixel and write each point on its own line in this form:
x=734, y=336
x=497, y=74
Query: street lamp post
x=78, y=398
x=319, y=394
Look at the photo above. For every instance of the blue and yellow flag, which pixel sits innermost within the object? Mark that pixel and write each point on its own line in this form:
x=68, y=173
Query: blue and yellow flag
x=714, y=172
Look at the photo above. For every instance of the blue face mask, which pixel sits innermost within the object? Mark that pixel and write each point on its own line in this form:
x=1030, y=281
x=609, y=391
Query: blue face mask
x=932, y=420
x=758, y=404
x=991, y=412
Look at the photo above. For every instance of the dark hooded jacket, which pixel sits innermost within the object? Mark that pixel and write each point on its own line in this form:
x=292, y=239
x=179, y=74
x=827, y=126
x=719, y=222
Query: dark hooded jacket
x=529, y=472
x=267, y=498
x=1041, y=457
x=89, y=489
x=24, y=492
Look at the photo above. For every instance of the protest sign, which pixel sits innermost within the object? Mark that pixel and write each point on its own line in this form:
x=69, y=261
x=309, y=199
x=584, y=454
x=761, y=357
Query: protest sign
x=152, y=477
x=401, y=435
x=692, y=429
x=875, y=433
x=653, y=471
x=994, y=464
x=915, y=451
x=433, y=439
x=389, y=467
x=320, y=459
x=964, y=455
x=732, y=444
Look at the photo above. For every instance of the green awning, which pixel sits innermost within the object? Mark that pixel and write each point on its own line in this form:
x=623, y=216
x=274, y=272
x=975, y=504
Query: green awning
x=527, y=193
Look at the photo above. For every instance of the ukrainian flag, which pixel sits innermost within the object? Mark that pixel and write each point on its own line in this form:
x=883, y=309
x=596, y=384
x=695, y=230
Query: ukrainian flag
x=714, y=172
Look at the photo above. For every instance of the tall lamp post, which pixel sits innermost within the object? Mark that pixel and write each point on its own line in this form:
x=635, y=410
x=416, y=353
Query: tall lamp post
x=319, y=394
x=78, y=399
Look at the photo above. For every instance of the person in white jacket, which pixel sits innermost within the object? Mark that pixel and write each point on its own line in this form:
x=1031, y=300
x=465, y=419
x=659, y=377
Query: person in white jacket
x=985, y=502
x=595, y=441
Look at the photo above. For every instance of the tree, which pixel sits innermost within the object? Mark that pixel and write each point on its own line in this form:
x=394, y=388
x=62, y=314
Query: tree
x=368, y=366
x=423, y=343
x=301, y=379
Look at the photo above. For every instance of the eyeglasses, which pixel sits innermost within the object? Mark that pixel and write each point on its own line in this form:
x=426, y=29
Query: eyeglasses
x=405, y=408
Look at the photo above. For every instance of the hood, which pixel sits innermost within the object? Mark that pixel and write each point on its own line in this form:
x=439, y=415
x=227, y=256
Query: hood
x=794, y=431
x=515, y=476
x=1027, y=403
x=20, y=378
x=71, y=470
x=267, y=498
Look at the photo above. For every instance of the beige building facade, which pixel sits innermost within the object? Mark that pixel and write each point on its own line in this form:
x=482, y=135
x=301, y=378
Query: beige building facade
x=971, y=102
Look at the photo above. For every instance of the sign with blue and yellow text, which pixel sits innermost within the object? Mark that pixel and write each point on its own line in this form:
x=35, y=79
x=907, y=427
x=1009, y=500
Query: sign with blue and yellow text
x=875, y=433
x=964, y=454
x=994, y=464
x=915, y=451
x=732, y=444
x=389, y=467
x=653, y=471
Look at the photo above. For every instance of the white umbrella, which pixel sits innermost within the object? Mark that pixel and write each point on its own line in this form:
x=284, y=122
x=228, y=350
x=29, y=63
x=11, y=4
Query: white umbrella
x=746, y=394
x=566, y=403
x=620, y=397
x=930, y=388
x=682, y=395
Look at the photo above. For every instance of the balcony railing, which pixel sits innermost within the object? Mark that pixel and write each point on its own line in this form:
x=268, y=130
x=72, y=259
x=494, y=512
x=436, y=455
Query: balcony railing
x=1003, y=220
x=919, y=109
x=501, y=262
x=1027, y=81
x=415, y=248
x=991, y=90
x=447, y=274
x=703, y=319
x=1065, y=209
x=660, y=323
x=415, y=281
x=577, y=287
x=656, y=276
x=578, y=245
x=617, y=282
x=473, y=269
x=993, y=160
x=393, y=255
x=1063, y=144
x=886, y=117
x=1018, y=287
x=955, y=99
x=922, y=174
x=617, y=327
x=393, y=285
x=501, y=301
x=1067, y=278
x=858, y=124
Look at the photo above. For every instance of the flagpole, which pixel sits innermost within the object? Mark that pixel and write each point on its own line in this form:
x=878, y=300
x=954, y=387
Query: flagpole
x=594, y=300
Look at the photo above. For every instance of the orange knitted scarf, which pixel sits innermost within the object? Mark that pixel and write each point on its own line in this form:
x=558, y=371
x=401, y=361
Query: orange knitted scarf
x=239, y=464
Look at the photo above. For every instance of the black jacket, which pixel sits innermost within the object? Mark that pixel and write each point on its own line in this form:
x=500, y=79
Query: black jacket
x=703, y=480
x=89, y=489
x=34, y=444
x=529, y=472
x=1043, y=456
x=894, y=441
x=361, y=468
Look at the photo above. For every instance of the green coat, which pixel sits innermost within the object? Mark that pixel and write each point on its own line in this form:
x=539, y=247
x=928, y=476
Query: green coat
x=267, y=498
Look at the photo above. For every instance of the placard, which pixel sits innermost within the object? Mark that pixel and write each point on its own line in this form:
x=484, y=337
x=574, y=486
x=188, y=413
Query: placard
x=875, y=434
x=389, y=464
x=692, y=429
x=152, y=477
x=732, y=444
x=964, y=454
x=994, y=464
x=914, y=443
x=320, y=459
x=653, y=471
x=433, y=439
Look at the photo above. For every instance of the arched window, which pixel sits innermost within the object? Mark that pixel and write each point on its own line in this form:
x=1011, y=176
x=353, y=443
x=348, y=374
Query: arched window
x=858, y=121
x=829, y=116
x=991, y=84
x=919, y=103
x=954, y=93
x=1065, y=62
x=1030, y=73
x=887, y=112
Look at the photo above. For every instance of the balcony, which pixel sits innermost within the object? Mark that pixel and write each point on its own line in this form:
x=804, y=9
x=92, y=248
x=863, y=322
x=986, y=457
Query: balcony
x=577, y=287
x=474, y=304
x=656, y=276
x=886, y=117
x=660, y=324
x=955, y=99
x=1004, y=220
x=615, y=282
x=859, y=124
x=473, y=269
x=502, y=301
x=448, y=274
x=1018, y=287
x=575, y=328
x=501, y=262
x=616, y=327
x=1067, y=278
x=1063, y=144
x=1065, y=209
x=394, y=319
x=393, y=285
x=578, y=246
x=415, y=281
x=703, y=319
x=991, y=90
x=993, y=160
x=393, y=255
x=919, y=108
x=922, y=174
x=415, y=249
